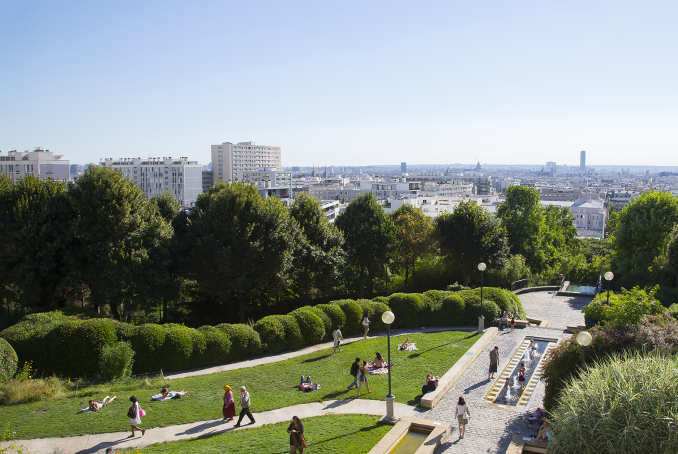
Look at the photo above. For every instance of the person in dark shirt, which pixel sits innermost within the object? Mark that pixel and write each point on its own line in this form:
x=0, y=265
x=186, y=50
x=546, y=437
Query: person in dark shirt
x=296, y=431
x=355, y=370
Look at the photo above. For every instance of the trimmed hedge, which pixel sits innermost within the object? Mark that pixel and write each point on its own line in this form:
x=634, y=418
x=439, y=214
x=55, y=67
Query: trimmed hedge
x=293, y=337
x=311, y=325
x=88, y=340
x=178, y=347
x=335, y=314
x=272, y=332
x=147, y=342
x=8, y=360
x=245, y=342
x=375, y=309
x=217, y=347
x=407, y=307
x=327, y=321
x=354, y=316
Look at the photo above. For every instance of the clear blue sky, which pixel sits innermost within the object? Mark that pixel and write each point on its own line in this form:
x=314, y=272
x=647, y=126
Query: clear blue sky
x=344, y=83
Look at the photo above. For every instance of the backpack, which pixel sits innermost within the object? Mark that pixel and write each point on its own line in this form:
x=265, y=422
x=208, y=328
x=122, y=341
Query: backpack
x=131, y=413
x=354, y=369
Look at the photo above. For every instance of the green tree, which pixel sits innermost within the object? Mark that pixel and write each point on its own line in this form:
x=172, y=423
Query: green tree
x=322, y=256
x=522, y=217
x=672, y=255
x=116, y=231
x=370, y=238
x=167, y=205
x=470, y=235
x=241, y=243
x=559, y=235
x=35, y=237
x=416, y=236
x=640, y=238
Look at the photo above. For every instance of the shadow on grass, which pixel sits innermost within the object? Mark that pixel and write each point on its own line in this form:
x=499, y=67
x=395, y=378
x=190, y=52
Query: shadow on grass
x=416, y=355
x=312, y=360
x=334, y=395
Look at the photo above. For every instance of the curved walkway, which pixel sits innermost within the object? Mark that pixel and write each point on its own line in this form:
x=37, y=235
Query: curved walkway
x=85, y=444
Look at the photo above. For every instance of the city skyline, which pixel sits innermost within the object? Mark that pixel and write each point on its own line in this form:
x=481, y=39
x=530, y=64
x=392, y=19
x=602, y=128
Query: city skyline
x=356, y=85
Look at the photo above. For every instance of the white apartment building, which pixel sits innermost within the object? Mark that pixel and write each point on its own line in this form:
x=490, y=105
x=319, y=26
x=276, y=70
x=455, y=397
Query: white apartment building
x=589, y=217
x=39, y=163
x=228, y=159
x=181, y=177
x=330, y=208
x=344, y=193
x=269, y=182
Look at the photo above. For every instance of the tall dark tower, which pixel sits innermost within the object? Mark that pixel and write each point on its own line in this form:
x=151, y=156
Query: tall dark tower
x=582, y=161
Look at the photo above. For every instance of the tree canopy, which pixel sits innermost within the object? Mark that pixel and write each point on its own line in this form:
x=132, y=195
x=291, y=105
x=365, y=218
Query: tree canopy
x=416, y=237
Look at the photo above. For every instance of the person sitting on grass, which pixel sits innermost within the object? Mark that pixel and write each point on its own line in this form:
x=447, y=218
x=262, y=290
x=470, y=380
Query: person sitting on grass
x=378, y=362
x=96, y=405
x=431, y=384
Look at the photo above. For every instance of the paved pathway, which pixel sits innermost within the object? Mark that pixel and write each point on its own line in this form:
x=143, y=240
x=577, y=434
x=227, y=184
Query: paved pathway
x=118, y=440
x=491, y=430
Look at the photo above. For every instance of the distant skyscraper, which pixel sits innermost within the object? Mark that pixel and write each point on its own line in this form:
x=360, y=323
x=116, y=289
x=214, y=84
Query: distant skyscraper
x=403, y=167
x=582, y=161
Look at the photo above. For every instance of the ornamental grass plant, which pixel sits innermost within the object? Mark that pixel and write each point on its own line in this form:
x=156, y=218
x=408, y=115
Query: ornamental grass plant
x=625, y=404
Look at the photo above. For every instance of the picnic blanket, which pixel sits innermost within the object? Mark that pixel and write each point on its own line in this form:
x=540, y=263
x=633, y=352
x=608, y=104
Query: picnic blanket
x=158, y=397
x=378, y=371
x=412, y=347
x=85, y=410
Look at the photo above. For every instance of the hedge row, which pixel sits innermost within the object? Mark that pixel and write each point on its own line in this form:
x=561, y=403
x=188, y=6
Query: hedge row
x=8, y=361
x=70, y=346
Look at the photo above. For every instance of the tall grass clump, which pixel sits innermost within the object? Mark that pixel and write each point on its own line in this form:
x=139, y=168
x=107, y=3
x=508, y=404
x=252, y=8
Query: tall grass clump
x=624, y=404
x=116, y=361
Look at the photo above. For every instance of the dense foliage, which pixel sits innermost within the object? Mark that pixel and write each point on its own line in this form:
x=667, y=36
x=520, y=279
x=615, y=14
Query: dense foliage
x=623, y=308
x=8, y=360
x=625, y=404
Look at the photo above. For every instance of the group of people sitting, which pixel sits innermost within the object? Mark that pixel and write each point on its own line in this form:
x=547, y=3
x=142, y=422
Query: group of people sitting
x=507, y=320
x=308, y=385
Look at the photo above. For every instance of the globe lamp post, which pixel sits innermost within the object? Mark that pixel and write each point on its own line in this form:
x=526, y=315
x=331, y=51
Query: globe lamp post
x=609, y=275
x=481, y=319
x=584, y=339
x=388, y=318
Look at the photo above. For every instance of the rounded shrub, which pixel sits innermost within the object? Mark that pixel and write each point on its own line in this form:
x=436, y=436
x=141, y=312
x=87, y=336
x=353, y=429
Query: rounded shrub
x=147, y=343
x=272, y=333
x=60, y=344
x=380, y=299
x=293, y=337
x=354, y=316
x=452, y=310
x=375, y=309
x=673, y=310
x=217, y=347
x=89, y=339
x=504, y=299
x=8, y=360
x=472, y=308
x=245, y=341
x=621, y=405
x=407, y=307
x=311, y=326
x=177, y=349
x=199, y=348
x=116, y=361
x=436, y=296
x=327, y=321
x=125, y=331
x=335, y=314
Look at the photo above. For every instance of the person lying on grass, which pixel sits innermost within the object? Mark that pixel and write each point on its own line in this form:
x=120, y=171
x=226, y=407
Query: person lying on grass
x=96, y=405
x=407, y=345
x=165, y=394
x=309, y=385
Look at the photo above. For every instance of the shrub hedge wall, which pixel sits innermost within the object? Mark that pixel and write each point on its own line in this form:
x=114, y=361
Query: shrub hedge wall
x=72, y=345
x=8, y=360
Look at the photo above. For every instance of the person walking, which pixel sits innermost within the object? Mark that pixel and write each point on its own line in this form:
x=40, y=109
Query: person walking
x=245, y=404
x=229, y=404
x=366, y=324
x=355, y=373
x=337, y=339
x=462, y=414
x=134, y=415
x=494, y=361
x=296, y=431
x=363, y=378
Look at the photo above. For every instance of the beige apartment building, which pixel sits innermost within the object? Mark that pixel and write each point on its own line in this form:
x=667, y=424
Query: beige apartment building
x=228, y=159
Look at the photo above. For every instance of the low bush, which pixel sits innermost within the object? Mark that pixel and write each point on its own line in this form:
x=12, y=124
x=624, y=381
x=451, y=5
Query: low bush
x=88, y=340
x=272, y=332
x=293, y=337
x=178, y=347
x=147, y=342
x=245, y=341
x=673, y=310
x=335, y=314
x=116, y=361
x=624, y=308
x=217, y=347
x=406, y=307
x=625, y=404
x=199, y=348
x=354, y=316
x=448, y=311
x=8, y=361
x=472, y=308
x=327, y=321
x=652, y=333
x=375, y=309
x=310, y=324
x=16, y=392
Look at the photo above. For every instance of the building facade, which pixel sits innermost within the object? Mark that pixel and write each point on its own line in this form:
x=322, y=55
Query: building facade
x=228, y=159
x=269, y=182
x=181, y=177
x=39, y=163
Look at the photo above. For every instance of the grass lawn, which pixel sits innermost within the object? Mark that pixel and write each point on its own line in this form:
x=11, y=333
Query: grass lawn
x=271, y=386
x=328, y=434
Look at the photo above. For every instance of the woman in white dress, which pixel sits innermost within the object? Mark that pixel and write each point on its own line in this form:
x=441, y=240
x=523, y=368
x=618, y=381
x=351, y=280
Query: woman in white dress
x=135, y=411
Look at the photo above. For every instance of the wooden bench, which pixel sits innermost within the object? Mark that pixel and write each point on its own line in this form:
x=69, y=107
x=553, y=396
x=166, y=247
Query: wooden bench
x=520, y=446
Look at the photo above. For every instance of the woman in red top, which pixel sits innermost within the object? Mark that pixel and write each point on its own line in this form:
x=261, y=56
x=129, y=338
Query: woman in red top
x=229, y=404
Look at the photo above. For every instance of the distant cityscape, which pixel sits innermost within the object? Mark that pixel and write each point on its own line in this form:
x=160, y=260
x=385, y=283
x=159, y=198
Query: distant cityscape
x=590, y=193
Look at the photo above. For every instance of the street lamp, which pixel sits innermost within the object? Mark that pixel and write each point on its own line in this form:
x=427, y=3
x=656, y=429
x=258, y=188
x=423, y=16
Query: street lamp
x=609, y=275
x=584, y=339
x=388, y=318
x=481, y=319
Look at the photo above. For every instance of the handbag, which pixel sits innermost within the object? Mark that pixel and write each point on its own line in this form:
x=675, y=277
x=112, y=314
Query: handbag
x=142, y=413
x=466, y=416
x=303, y=441
x=132, y=413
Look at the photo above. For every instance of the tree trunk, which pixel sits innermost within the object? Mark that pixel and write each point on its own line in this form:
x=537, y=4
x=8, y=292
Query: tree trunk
x=164, y=310
x=370, y=282
x=407, y=276
x=241, y=302
x=362, y=282
x=413, y=283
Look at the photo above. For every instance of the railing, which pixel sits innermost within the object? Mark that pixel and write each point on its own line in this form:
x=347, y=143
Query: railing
x=539, y=281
